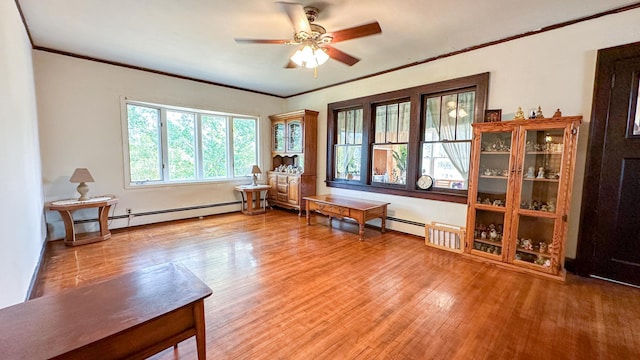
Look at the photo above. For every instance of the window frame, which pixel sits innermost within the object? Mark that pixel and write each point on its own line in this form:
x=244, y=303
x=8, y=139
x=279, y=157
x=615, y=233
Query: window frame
x=416, y=96
x=198, y=143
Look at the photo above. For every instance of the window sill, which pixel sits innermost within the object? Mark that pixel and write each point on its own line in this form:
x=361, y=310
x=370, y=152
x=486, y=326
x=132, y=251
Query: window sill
x=459, y=198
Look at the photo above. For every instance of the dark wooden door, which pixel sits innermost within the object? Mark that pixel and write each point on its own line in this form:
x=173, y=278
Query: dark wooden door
x=609, y=244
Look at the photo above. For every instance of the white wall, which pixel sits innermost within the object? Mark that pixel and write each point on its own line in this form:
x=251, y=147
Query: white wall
x=80, y=117
x=553, y=69
x=21, y=219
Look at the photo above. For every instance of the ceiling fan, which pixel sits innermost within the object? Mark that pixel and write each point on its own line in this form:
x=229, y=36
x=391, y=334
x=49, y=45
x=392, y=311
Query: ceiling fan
x=315, y=41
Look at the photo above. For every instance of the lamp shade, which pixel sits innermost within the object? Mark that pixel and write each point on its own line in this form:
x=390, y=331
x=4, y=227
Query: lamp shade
x=256, y=170
x=81, y=175
x=310, y=57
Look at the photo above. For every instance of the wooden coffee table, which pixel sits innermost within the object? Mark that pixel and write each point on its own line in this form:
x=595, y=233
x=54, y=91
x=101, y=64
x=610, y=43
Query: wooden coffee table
x=132, y=316
x=342, y=206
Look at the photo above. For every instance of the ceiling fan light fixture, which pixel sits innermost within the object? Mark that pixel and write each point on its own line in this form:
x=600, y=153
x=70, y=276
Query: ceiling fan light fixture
x=309, y=57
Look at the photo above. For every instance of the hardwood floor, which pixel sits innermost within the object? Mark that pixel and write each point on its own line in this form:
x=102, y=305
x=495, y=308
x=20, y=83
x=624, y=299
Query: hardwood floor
x=285, y=290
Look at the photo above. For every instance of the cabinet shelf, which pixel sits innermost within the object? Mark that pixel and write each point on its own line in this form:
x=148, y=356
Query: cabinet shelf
x=495, y=153
x=546, y=146
x=533, y=252
x=494, y=177
x=500, y=209
x=488, y=242
x=542, y=180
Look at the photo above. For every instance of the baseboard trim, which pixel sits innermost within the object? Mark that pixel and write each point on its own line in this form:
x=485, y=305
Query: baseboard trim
x=37, y=272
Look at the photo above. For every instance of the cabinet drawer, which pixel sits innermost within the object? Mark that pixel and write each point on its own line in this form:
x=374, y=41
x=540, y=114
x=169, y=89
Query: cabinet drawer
x=282, y=197
x=282, y=179
x=329, y=209
x=283, y=188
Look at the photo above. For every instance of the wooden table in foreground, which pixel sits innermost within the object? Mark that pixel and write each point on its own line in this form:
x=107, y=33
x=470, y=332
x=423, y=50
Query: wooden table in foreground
x=131, y=316
x=66, y=209
x=341, y=207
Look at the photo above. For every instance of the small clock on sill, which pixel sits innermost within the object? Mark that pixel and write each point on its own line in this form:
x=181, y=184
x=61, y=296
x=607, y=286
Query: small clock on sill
x=425, y=182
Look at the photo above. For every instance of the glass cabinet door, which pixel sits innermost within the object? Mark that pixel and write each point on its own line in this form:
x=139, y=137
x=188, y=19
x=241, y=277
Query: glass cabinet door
x=492, y=185
x=294, y=136
x=278, y=136
x=539, y=190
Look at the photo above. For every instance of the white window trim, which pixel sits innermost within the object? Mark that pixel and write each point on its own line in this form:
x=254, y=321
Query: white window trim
x=128, y=184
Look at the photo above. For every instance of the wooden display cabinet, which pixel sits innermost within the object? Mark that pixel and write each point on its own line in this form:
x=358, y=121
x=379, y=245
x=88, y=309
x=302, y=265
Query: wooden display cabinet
x=519, y=191
x=294, y=158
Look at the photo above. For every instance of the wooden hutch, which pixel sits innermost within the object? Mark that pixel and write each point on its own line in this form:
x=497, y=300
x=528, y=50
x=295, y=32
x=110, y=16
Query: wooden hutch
x=293, y=154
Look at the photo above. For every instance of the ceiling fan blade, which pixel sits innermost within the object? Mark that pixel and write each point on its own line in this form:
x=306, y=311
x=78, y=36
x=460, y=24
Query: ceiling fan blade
x=356, y=32
x=290, y=65
x=343, y=57
x=297, y=16
x=262, y=41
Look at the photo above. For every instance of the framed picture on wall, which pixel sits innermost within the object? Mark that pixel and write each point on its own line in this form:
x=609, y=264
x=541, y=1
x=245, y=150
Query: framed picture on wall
x=493, y=115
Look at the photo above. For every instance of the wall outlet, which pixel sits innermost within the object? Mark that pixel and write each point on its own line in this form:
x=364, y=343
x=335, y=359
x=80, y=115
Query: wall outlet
x=129, y=211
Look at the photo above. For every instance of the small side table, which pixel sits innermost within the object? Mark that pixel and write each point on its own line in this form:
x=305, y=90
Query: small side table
x=66, y=208
x=252, y=197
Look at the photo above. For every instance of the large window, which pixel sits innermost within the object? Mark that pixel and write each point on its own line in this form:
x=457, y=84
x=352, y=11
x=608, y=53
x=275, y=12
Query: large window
x=446, y=140
x=176, y=145
x=385, y=142
x=390, y=148
x=348, y=147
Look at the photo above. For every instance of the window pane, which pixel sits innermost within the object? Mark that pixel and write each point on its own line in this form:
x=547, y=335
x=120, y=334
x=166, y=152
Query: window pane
x=144, y=143
x=214, y=147
x=347, y=162
x=390, y=163
x=403, y=122
x=350, y=128
x=447, y=163
x=341, y=128
x=381, y=124
x=448, y=117
x=181, y=143
x=244, y=146
x=392, y=123
x=466, y=108
x=432, y=119
x=358, y=129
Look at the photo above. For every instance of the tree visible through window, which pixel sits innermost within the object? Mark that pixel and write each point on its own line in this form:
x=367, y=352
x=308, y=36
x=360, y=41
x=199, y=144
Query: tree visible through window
x=167, y=144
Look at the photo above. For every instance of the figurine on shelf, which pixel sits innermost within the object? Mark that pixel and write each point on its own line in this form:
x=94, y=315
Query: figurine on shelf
x=551, y=206
x=486, y=201
x=530, y=172
x=557, y=114
x=483, y=234
x=493, y=234
x=539, y=113
x=540, y=173
x=526, y=244
x=519, y=114
x=543, y=247
x=532, y=114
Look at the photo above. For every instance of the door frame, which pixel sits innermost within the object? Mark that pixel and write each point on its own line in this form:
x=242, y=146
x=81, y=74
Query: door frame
x=605, y=67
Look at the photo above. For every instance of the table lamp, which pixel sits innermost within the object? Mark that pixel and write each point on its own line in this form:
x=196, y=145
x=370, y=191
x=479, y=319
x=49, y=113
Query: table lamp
x=82, y=176
x=255, y=170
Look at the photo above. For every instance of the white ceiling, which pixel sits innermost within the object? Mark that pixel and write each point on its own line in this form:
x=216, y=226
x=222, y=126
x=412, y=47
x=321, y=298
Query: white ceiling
x=195, y=38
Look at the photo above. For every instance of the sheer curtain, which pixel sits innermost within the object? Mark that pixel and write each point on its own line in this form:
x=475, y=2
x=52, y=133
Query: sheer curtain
x=459, y=153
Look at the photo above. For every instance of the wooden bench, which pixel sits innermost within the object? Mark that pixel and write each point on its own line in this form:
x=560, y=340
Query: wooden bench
x=342, y=206
x=132, y=316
